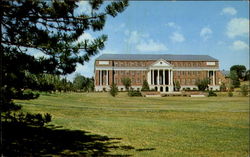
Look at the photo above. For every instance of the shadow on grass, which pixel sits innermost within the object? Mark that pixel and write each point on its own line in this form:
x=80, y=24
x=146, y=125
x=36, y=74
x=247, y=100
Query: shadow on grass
x=23, y=140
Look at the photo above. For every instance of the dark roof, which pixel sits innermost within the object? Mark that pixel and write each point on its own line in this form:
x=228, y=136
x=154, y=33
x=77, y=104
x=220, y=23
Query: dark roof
x=168, y=57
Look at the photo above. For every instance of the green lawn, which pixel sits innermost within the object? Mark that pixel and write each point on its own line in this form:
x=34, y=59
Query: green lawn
x=166, y=126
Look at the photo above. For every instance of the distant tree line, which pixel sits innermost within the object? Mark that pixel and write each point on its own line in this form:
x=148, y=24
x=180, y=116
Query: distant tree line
x=55, y=83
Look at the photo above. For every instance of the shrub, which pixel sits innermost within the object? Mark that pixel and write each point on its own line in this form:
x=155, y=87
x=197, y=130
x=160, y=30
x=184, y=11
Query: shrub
x=223, y=87
x=202, y=84
x=113, y=90
x=145, y=86
x=244, y=90
x=230, y=94
x=177, y=86
x=134, y=93
x=26, y=94
x=211, y=93
x=126, y=82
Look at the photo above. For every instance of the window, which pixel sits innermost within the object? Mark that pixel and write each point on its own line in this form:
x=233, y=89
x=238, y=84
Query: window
x=133, y=72
x=138, y=80
x=193, y=81
x=183, y=81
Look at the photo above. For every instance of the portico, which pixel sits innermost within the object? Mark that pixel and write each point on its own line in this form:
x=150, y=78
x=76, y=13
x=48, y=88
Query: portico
x=160, y=76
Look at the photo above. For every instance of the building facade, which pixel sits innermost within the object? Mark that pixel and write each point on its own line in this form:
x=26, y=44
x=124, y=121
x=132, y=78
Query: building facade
x=160, y=71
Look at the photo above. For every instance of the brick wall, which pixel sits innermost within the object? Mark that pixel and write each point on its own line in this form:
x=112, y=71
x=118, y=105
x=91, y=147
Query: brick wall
x=137, y=77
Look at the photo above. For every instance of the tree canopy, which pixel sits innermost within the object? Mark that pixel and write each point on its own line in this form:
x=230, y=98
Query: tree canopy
x=53, y=28
x=239, y=69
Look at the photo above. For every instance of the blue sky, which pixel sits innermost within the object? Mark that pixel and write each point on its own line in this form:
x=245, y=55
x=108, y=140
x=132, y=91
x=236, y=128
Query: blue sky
x=219, y=29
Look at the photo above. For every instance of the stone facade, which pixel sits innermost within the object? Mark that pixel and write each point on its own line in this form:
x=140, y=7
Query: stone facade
x=160, y=74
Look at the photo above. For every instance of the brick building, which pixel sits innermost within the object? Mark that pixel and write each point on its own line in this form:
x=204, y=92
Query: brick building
x=160, y=70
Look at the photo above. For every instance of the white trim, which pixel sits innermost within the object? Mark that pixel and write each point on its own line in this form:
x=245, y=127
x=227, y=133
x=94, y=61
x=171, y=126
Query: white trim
x=156, y=68
x=210, y=63
x=194, y=69
x=166, y=64
x=104, y=62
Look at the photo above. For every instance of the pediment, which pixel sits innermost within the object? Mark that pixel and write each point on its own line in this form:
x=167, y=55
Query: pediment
x=161, y=63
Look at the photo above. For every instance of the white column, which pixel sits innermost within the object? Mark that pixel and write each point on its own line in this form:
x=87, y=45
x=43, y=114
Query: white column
x=169, y=77
x=153, y=77
x=172, y=77
x=158, y=77
x=101, y=77
x=163, y=76
x=213, y=78
x=149, y=77
x=107, y=77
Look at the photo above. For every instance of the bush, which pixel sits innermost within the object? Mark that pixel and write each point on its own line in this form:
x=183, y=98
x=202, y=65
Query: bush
x=126, y=82
x=145, y=86
x=113, y=90
x=177, y=86
x=230, y=94
x=26, y=94
x=223, y=87
x=244, y=90
x=202, y=84
x=211, y=93
x=134, y=93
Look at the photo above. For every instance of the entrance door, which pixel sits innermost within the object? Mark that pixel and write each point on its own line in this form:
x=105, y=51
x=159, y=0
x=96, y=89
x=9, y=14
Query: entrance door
x=166, y=89
x=161, y=89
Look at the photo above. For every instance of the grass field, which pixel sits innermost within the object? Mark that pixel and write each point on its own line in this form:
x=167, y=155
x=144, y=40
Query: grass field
x=167, y=126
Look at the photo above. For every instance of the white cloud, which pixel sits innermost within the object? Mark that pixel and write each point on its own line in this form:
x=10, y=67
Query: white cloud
x=135, y=37
x=177, y=37
x=143, y=43
x=151, y=46
x=228, y=11
x=206, y=33
x=173, y=25
x=83, y=7
x=239, y=45
x=238, y=27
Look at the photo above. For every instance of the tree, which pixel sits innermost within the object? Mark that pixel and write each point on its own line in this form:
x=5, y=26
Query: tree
x=177, y=86
x=247, y=75
x=202, y=84
x=52, y=28
x=239, y=69
x=126, y=82
x=145, y=86
x=79, y=82
x=113, y=90
x=234, y=79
